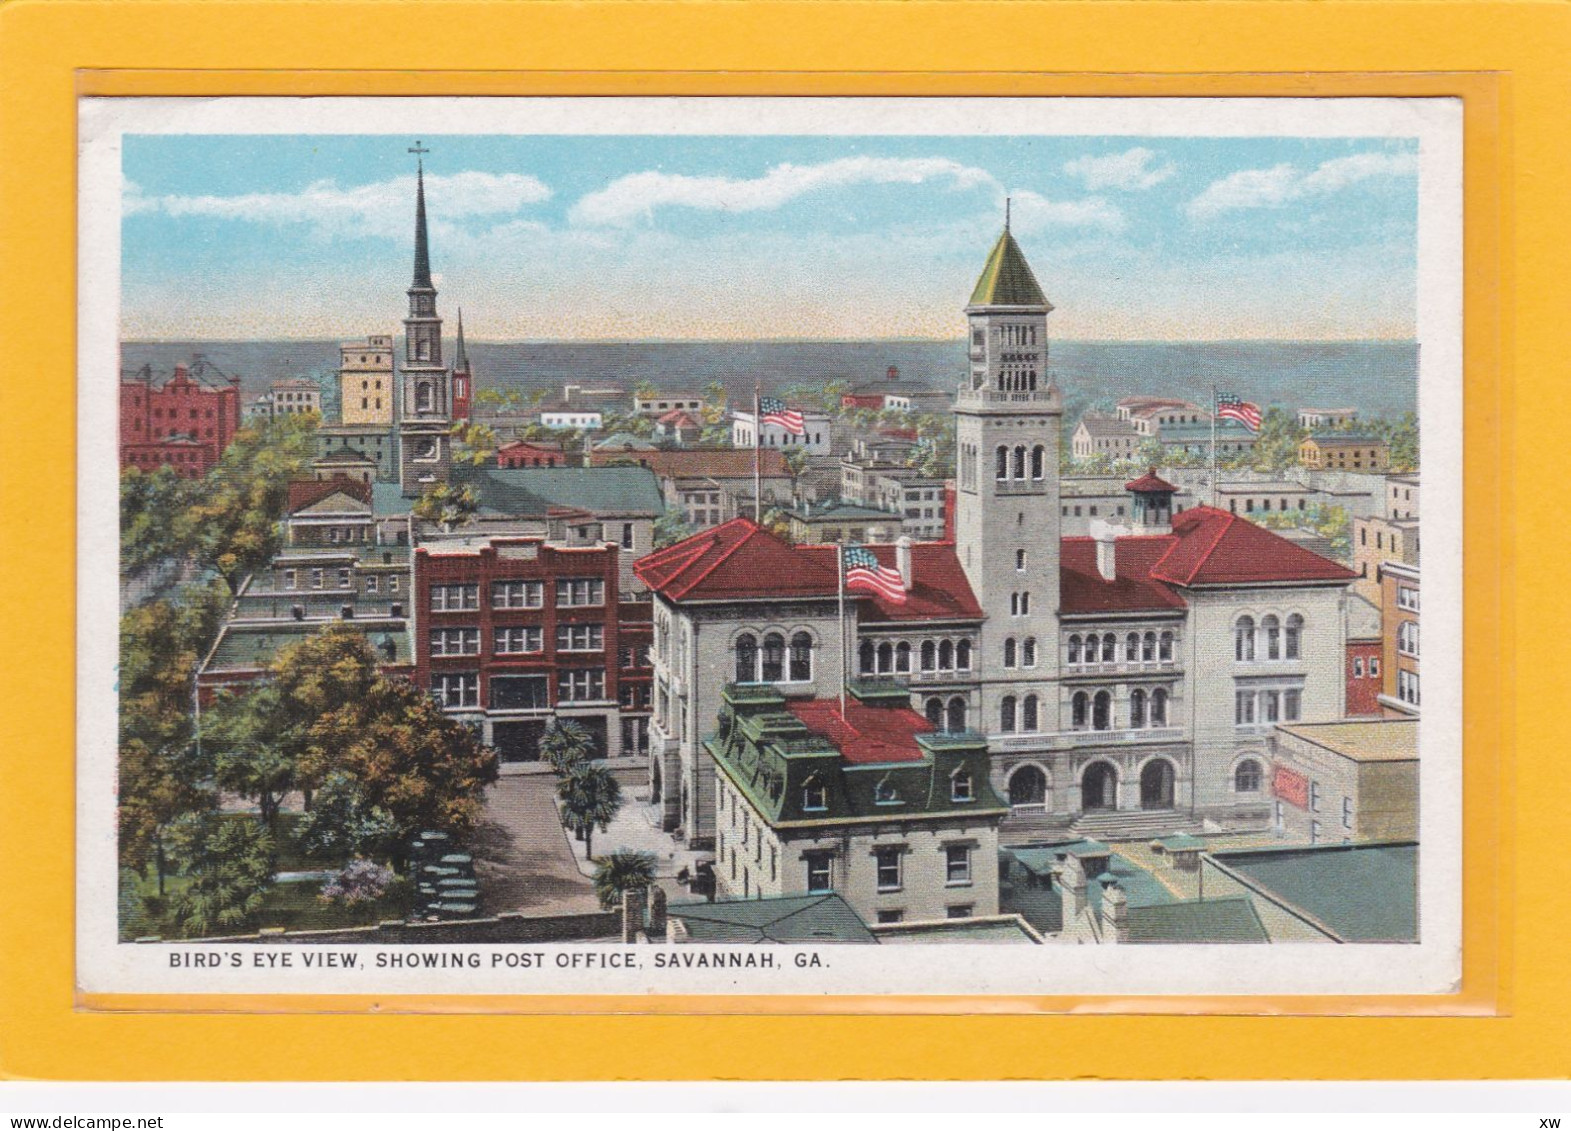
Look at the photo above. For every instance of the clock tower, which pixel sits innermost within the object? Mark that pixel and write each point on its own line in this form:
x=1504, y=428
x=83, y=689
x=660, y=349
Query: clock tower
x=425, y=401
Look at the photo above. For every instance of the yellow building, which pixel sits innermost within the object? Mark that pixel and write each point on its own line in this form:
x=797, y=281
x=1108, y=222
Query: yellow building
x=1344, y=451
x=365, y=380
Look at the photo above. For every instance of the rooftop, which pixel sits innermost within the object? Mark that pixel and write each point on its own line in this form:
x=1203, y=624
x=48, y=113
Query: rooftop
x=534, y=491
x=1375, y=740
x=308, y=492
x=978, y=929
x=1351, y=436
x=866, y=735
x=1007, y=279
x=783, y=919
x=252, y=647
x=703, y=463
x=1099, y=424
x=1231, y=920
x=1354, y=892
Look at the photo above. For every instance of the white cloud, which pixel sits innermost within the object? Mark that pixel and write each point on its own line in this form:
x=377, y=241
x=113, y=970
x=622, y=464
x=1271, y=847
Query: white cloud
x=1281, y=184
x=1132, y=170
x=382, y=209
x=1032, y=212
x=629, y=199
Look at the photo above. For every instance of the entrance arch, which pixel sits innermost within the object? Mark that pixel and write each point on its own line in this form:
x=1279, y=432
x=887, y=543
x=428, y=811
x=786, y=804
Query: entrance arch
x=1028, y=787
x=1156, y=784
x=1099, y=787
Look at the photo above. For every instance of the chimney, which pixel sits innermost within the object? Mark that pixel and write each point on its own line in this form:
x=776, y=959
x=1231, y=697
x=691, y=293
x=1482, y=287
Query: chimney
x=632, y=914
x=1115, y=910
x=903, y=560
x=1106, y=536
x=893, y=373
x=656, y=923
x=1073, y=878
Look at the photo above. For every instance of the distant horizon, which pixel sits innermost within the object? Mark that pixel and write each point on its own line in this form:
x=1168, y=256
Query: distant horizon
x=473, y=340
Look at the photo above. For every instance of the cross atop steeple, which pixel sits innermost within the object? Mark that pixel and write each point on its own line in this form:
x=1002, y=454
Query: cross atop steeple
x=422, y=279
x=419, y=150
x=1006, y=209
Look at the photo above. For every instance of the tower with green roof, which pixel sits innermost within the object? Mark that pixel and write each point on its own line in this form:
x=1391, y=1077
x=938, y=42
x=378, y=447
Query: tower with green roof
x=1007, y=425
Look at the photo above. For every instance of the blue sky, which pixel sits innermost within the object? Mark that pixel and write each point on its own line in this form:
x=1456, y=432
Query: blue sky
x=612, y=238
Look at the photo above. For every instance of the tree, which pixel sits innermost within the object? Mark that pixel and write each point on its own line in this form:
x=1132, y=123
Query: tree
x=230, y=866
x=341, y=824
x=591, y=797
x=473, y=443
x=157, y=787
x=776, y=521
x=670, y=528
x=1276, y=447
x=645, y=389
x=152, y=506
x=623, y=870
x=506, y=400
x=446, y=505
x=566, y=744
x=258, y=750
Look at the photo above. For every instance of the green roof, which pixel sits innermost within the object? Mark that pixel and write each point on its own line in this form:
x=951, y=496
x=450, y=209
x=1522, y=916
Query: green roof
x=1007, y=279
x=247, y=647
x=785, y=919
x=1356, y=892
x=1001, y=929
x=1181, y=842
x=1231, y=920
x=533, y=491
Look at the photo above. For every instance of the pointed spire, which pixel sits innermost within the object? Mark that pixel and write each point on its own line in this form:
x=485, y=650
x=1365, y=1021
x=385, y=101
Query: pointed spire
x=1007, y=203
x=460, y=354
x=422, y=249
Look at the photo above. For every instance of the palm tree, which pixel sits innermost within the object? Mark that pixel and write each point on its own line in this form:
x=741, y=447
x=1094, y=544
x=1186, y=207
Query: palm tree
x=623, y=870
x=565, y=744
x=590, y=796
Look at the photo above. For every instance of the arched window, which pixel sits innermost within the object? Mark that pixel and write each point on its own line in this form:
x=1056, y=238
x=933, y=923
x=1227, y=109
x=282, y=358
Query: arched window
x=1148, y=647
x=1003, y=462
x=1020, y=462
x=1028, y=652
x=865, y=658
x=1132, y=647
x=1006, y=714
x=935, y=711
x=814, y=795
x=1038, y=461
x=1159, y=707
x=956, y=715
x=1271, y=629
x=774, y=658
x=801, y=657
x=1020, y=560
x=960, y=787
x=886, y=658
x=929, y=655
x=1246, y=777
x=746, y=658
x=1165, y=646
x=1028, y=713
x=1079, y=710
x=424, y=399
x=1102, y=711
x=1014, y=604
x=963, y=655
x=902, y=657
x=1295, y=637
x=1137, y=708
x=1244, y=639
x=1009, y=652
x=1109, y=648
x=1074, y=648
x=946, y=656
x=1025, y=603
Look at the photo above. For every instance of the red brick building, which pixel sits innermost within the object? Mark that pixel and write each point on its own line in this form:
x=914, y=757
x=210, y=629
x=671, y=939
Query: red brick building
x=1363, y=677
x=511, y=631
x=531, y=453
x=185, y=424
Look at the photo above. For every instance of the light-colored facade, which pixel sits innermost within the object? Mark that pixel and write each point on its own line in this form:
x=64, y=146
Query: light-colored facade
x=661, y=403
x=365, y=381
x=815, y=440
x=295, y=395
x=1399, y=618
x=1098, y=435
x=1402, y=496
x=1344, y=451
x=1325, y=417
x=570, y=418
x=1345, y=782
x=1377, y=540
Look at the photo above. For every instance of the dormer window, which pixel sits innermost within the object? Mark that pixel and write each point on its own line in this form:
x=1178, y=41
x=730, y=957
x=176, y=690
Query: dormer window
x=884, y=794
x=960, y=787
x=815, y=798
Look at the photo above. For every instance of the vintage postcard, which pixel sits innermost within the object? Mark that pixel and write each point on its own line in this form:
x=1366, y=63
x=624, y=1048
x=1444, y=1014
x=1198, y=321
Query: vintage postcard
x=779, y=546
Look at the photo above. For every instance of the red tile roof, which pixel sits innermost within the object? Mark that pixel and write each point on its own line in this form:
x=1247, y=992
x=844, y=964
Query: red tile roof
x=1150, y=481
x=737, y=559
x=866, y=734
x=680, y=418
x=1217, y=548
x=1082, y=589
x=308, y=492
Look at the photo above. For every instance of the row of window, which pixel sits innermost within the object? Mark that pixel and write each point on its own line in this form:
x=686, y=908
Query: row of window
x=517, y=639
x=1013, y=464
x=934, y=656
x=1094, y=710
x=571, y=592
x=456, y=690
x=1270, y=640
x=345, y=580
x=774, y=663
x=1025, y=654
x=1407, y=638
x=1267, y=705
x=890, y=867
x=1138, y=648
x=1359, y=667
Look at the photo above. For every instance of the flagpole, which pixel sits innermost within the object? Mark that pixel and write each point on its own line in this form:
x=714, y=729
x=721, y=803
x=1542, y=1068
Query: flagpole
x=840, y=588
x=758, y=440
x=1214, y=486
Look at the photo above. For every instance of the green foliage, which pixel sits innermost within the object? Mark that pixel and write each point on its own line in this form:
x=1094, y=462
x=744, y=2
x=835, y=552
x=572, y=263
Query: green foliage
x=1276, y=447
x=341, y=824
x=591, y=797
x=229, y=864
x=565, y=745
x=645, y=389
x=934, y=454
x=776, y=521
x=447, y=506
x=504, y=400
x=623, y=870
x=670, y=528
x=1331, y=522
x=473, y=443
x=153, y=520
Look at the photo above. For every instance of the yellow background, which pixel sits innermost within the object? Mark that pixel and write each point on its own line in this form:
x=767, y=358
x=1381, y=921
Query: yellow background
x=1508, y=61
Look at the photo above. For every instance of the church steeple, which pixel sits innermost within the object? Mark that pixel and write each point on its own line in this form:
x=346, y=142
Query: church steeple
x=422, y=280
x=460, y=354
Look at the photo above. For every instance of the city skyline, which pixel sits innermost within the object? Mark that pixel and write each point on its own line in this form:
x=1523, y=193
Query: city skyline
x=800, y=238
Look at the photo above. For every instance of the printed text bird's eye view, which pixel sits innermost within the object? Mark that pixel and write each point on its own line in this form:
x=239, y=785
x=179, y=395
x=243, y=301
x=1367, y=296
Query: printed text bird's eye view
x=542, y=544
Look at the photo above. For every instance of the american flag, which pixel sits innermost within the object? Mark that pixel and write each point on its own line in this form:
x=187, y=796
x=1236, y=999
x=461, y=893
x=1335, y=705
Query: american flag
x=773, y=410
x=1230, y=407
x=864, y=573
